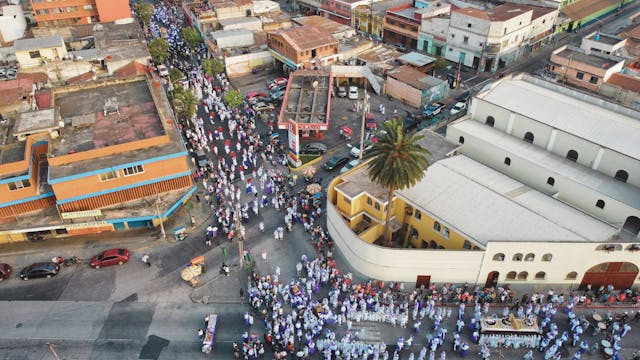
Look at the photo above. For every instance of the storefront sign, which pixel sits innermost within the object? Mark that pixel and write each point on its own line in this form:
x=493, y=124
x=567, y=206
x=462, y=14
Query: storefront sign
x=308, y=126
x=80, y=214
x=85, y=225
x=294, y=143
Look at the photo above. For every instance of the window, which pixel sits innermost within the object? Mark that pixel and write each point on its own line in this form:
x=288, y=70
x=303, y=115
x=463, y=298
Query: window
x=88, y=7
x=34, y=54
x=517, y=257
x=376, y=206
x=133, y=170
x=490, y=121
x=417, y=214
x=507, y=161
x=540, y=275
x=579, y=75
x=433, y=244
x=530, y=257
x=511, y=275
x=523, y=275
x=551, y=181
x=461, y=139
x=436, y=226
x=453, y=35
x=466, y=244
x=600, y=204
x=572, y=155
x=20, y=184
x=108, y=175
x=465, y=39
x=528, y=137
x=498, y=257
x=445, y=232
x=622, y=175
x=469, y=25
x=369, y=201
x=414, y=233
x=547, y=257
x=572, y=275
x=593, y=80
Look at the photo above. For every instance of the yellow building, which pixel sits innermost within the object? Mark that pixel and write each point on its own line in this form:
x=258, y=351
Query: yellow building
x=34, y=51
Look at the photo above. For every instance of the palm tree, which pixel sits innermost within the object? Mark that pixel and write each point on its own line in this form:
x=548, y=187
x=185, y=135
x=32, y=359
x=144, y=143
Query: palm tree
x=397, y=162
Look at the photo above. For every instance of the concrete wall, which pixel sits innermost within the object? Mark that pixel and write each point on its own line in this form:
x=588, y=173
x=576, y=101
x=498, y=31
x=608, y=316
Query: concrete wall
x=51, y=53
x=243, y=64
x=402, y=264
x=405, y=93
x=12, y=23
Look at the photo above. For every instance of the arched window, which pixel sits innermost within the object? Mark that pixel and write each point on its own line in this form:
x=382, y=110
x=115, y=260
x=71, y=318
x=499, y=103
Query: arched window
x=511, y=275
x=466, y=244
x=433, y=244
x=541, y=275
x=461, y=139
x=547, y=257
x=523, y=275
x=572, y=275
x=622, y=175
x=530, y=257
x=528, y=137
x=436, y=226
x=517, y=257
x=572, y=155
x=490, y=121
x=498, y=257
x=445, y=232
x=551, y=181
x=417, y=214
x=507, y=161
x=600, y=204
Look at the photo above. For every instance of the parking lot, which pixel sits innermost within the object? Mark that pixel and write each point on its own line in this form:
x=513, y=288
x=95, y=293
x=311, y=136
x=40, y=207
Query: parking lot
x=8, y=72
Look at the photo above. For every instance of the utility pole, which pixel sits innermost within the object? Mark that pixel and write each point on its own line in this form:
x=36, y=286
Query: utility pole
x=162, y=231
x=365, y=110
x=53, y=350
x=241, y=233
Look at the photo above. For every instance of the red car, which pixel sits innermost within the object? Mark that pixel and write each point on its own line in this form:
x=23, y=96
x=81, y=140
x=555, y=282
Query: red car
x=371, y=122
x=255, y=94
x=110, y=257
x=5, y=271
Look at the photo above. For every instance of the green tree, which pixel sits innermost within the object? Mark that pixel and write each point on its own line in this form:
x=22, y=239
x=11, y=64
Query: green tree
x=439, y=64
x=159, y=50
x=397, y=162
x=143, y=11
x=212, y=66
x=191, y=36
x=176, y=74
x=232, y=98
x=184, y=101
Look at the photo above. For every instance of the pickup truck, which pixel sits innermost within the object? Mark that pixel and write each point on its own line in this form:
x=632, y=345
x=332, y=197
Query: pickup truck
x=433, y=109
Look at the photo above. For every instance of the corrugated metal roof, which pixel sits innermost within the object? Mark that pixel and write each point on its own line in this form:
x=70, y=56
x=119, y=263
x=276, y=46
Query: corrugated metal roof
x=307, y=37
x=583, y=8
x=38, y=43
x=486, y=205
x=416, y=59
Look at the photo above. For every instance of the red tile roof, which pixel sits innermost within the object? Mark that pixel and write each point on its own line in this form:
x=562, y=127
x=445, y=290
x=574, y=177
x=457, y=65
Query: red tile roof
x=132, y=69
x=306, y=37
x=625, y=81
x=82, y=78
x=12, y=91
x=43, y=98
x=583, y=8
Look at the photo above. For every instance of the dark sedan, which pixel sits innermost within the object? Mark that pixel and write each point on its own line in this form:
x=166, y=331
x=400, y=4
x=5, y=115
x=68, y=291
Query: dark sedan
x=37, y=270
x=336, y=162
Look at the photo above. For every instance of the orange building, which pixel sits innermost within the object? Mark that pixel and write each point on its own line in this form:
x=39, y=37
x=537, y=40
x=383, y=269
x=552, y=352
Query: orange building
x=105, y=156
x=74, y=12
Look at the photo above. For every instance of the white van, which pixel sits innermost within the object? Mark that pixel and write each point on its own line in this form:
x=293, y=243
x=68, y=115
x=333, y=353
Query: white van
x=353, y=92
x=162, y=70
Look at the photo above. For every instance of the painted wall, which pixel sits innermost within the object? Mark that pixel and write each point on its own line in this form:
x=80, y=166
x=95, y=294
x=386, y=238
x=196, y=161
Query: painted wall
x=52, y=53
x=112, y=10
x=404, y=92
x=91, y=184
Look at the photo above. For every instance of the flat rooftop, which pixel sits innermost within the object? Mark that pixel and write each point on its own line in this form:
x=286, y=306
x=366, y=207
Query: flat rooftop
x=606, y=38
x=358, y=181
x=593, y=59
x=306, y=103
x=11, y=150
x=87, y=127
x=487, y=205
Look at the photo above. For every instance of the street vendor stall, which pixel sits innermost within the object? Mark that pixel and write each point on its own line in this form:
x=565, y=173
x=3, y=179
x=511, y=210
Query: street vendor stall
x=193, y=271
x=505, y=331
x=210, y=334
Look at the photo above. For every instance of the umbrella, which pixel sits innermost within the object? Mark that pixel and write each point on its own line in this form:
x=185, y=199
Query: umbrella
x=314, y=188
x=309, y=171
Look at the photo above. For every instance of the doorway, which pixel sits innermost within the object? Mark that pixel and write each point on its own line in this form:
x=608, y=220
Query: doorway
x=492, y=280
x=423, y=280
x=619, y=274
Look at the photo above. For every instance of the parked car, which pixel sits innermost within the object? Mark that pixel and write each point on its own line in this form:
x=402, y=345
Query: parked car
x=41, y=269
x=5, y=271
x=370, y=122
x=277, y=88
x=12, y=73
x=278, y=95
x=261, y=106
x=314, y=148
x=342, y=91
x=110, y=257
x=201, y=158
x=353, y=92
x=410, y=123
x=458, y=107
x=464, y=97
x=433, y=109
x=255, y=94
x=355, y=150
x=278, y=81
x=336, y=162
x=350, y=165
x=162, y=70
